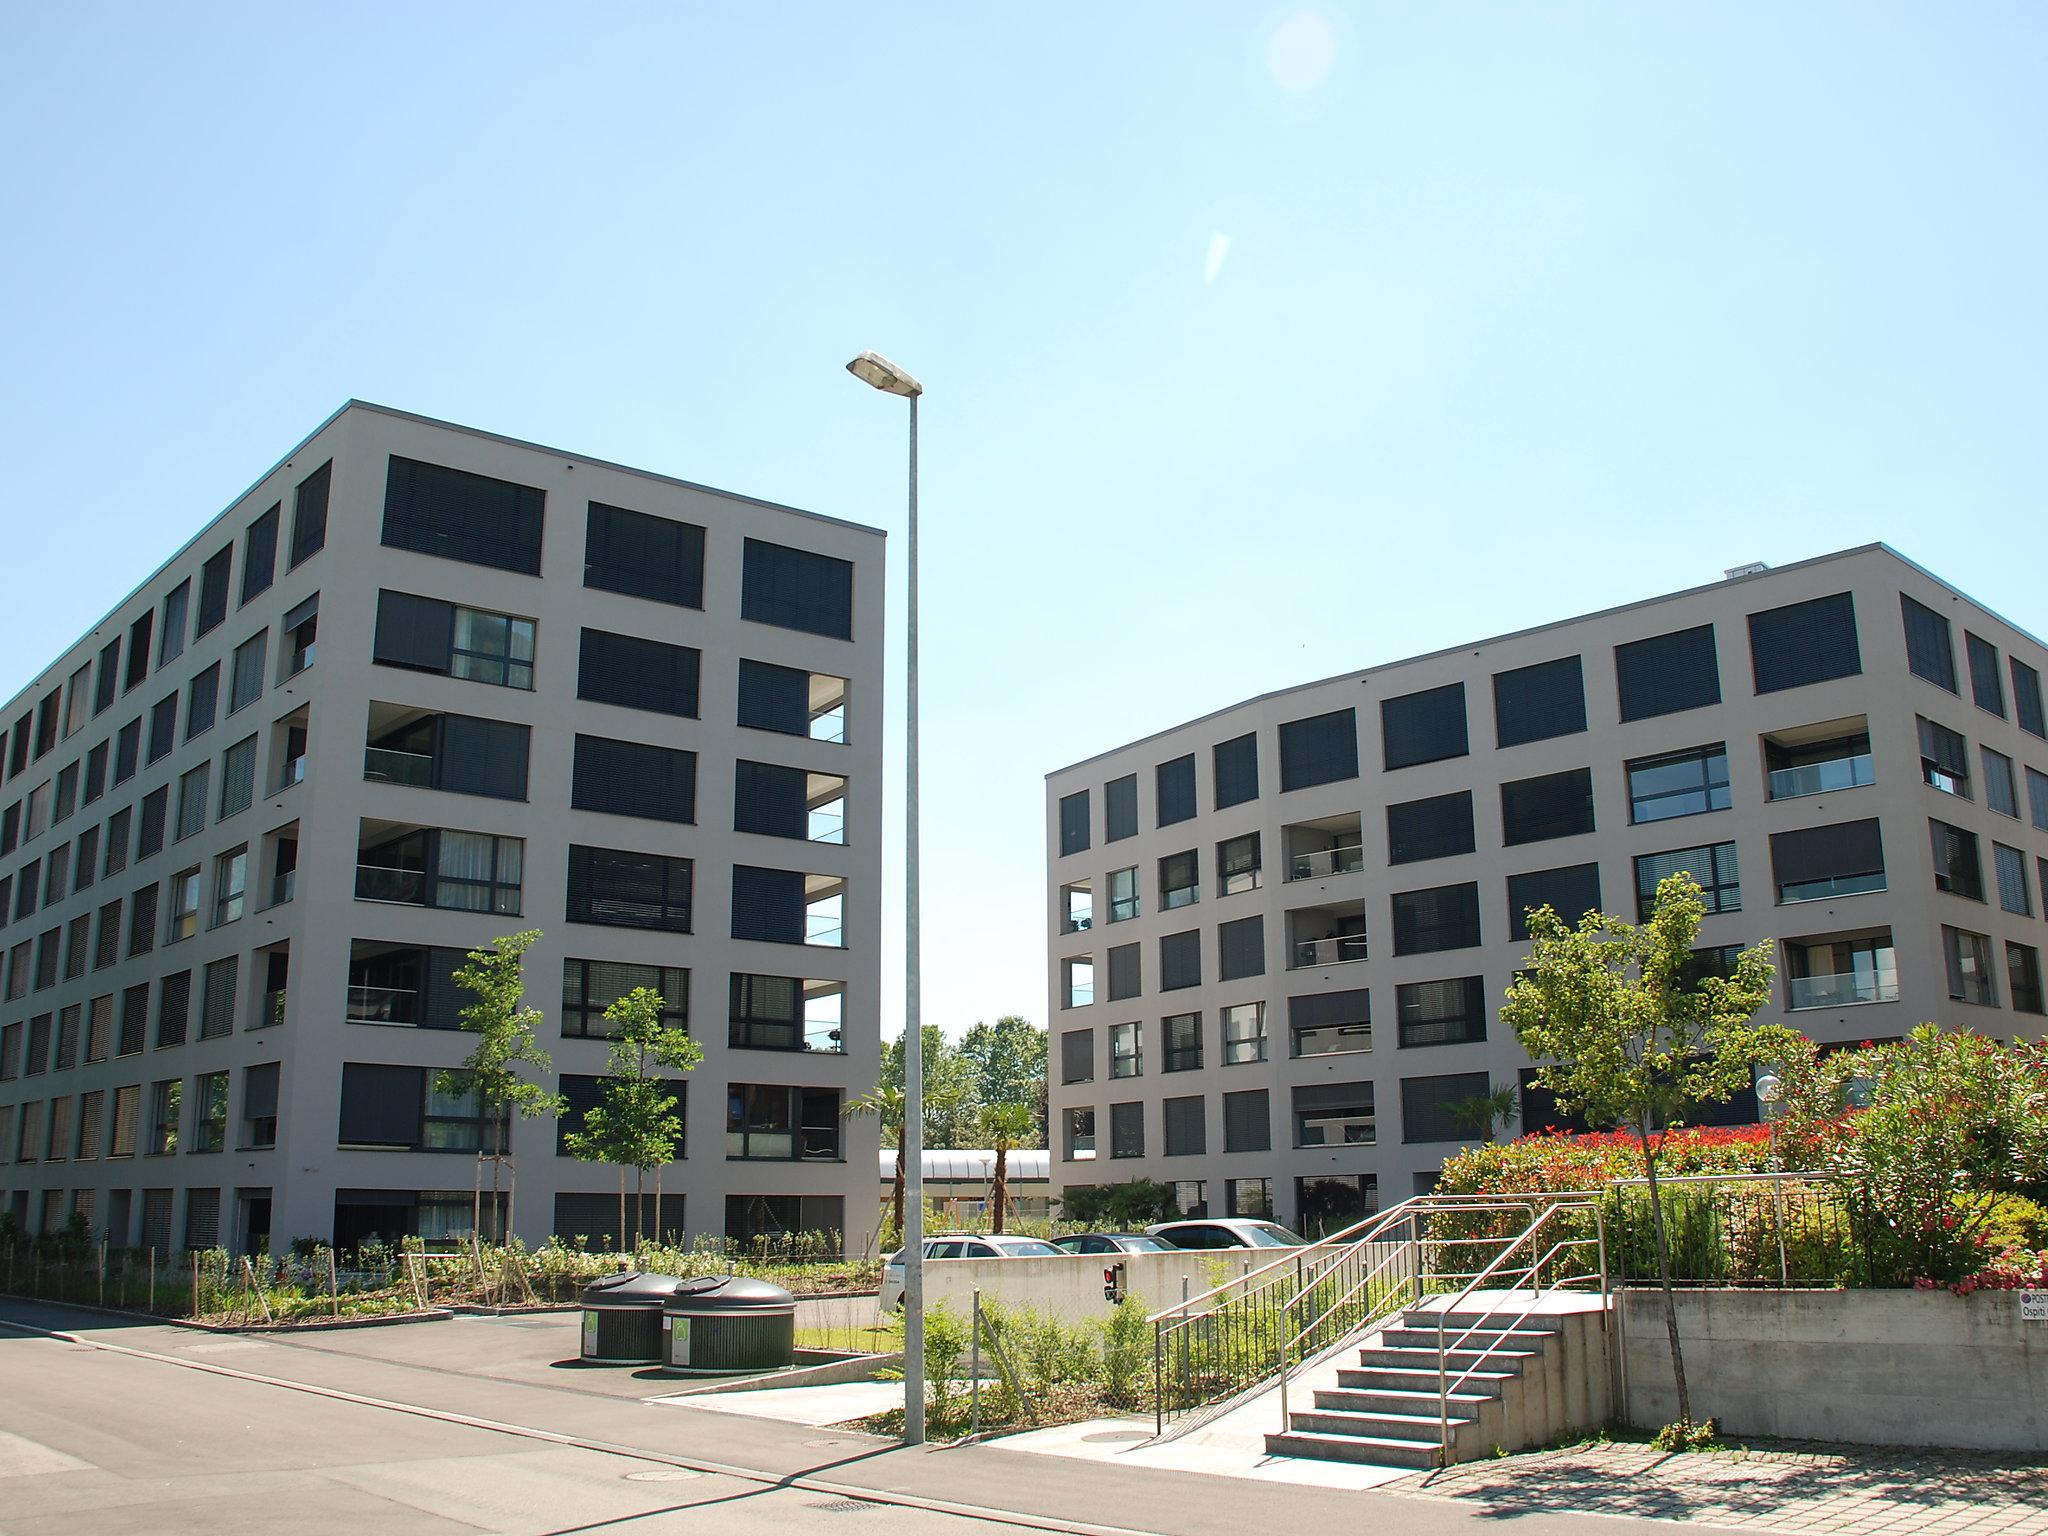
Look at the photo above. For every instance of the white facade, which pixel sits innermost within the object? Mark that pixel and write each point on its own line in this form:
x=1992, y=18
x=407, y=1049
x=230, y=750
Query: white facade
x=370, y=755
x=1396, y=1029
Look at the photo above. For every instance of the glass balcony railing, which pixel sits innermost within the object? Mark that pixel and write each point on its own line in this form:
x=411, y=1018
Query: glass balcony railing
x=1820, y=778
x=1078, y=922
x=292, y=772
x=1348, y=860
x=1844, y=990
x=825, y=930
x=283, y=886
x=382, y=1005
x=1341, y=950
x=273, y=1008
x=387, y=765
x=380, y=882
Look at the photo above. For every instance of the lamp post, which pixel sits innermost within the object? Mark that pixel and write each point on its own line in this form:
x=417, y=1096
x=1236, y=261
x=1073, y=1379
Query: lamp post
x=872, y=368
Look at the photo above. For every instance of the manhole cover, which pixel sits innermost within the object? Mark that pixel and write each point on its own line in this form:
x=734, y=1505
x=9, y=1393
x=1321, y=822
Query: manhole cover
x=1114, y=1437
x=665, y=1475
x=844, y=1506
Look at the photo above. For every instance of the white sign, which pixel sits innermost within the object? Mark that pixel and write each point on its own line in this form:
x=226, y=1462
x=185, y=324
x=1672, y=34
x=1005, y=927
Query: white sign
x=2034, y=1306
x=679, y=1334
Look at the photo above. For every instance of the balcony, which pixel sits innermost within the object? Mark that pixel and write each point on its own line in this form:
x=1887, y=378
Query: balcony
x=1818, y=759
x=386, y=882
x=1843, y=990
x=389, y=765
x=1317, y=850
x=1077, y=907
x=1821, y=778
x=283, y=886
x=1324, y=862
x=1331, y=934
x=383, y=1005
x=1345, y=949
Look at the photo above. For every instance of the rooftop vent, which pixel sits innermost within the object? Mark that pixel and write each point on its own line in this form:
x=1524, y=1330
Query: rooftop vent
x=1754, y=568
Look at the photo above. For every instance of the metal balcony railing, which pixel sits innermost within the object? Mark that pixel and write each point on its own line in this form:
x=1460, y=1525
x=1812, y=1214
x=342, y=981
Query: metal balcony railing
x=1347, y=860
x=1820, y=778
x=1341, y=950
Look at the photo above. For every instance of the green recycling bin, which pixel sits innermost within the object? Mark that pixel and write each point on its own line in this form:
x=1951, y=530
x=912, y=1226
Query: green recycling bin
x=726, y=1325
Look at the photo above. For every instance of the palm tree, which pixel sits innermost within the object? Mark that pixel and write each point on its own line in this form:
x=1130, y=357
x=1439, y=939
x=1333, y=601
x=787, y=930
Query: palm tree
x=886, y=1102
x=1484, y=1113
x=1004, y=1126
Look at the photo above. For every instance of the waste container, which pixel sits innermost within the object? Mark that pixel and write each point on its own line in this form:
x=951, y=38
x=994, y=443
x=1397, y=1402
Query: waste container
x=724, y=1325
x=622, y=1318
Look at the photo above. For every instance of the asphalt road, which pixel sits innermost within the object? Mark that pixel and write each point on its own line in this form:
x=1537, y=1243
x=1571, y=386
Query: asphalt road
x=161, y=1430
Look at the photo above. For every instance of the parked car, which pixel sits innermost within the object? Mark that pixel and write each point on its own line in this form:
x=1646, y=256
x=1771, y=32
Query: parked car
x=1226, y=1232
x=961, y=1245
x=1111, y=1242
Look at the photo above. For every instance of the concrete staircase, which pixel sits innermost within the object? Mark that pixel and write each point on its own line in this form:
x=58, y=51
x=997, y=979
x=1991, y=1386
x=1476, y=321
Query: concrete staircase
x=1526, y=1380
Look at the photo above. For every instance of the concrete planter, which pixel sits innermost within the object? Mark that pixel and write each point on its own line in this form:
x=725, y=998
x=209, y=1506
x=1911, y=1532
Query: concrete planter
x=1860, y=1367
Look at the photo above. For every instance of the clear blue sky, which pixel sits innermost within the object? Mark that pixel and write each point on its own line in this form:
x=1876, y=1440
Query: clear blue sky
x=1261, y=344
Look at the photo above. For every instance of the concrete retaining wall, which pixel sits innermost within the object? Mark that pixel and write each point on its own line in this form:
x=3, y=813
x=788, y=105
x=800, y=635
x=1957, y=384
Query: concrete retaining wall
x=1862, y=1367
x=1071, y=1287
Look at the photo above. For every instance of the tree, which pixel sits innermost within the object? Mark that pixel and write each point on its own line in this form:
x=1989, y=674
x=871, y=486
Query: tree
x=1132, y=1204
x=1008, y=1060
x=504, y=1027
x=634, y=1123
x=886, y=1103
x=1630, y=1036
x=1004, y=1126
x=1484, y=1114
x=950, y=1101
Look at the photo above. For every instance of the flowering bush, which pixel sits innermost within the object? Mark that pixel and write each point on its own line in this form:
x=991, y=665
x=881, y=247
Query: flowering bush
x=2016, y=1269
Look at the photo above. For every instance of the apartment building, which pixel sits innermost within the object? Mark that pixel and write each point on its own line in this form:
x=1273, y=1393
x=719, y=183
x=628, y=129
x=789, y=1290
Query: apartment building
x=1279, y=934
x=419, y=687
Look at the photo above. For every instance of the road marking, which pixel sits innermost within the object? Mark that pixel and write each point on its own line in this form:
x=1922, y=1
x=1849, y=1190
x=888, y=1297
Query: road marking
x=602, y=1447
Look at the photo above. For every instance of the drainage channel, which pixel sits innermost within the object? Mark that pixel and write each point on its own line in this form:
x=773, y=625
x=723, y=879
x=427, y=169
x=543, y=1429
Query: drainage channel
x=850, y=1493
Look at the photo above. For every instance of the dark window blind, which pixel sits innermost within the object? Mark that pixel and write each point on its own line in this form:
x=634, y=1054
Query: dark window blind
x=1803, y=643
x=1436, y=828
x=309, y=513
x=1571, y=892
x=1120, y=808
x=634, y=778
x=641, y=555
x=1548, y=806
x=1668, y=673
x=1987, y=687
x=1175, y=783
x=767, y=904
x=434, y=510
x=1424, y=727
x=259, y=554
x=1235, y=767
x=636, y=673
x=796, y=589
x=414, y=632
x=1319, y=749
x=775, y=698
x=770, y=799
x=1242, y=946
x=1538, y=702
x=1930, y=652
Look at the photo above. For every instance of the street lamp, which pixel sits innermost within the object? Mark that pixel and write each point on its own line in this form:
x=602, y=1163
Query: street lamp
x=872, y=368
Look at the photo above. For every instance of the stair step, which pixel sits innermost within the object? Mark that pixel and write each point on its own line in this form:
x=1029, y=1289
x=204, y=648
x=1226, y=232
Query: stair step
x=1372, y=1450
x=1508, y=1361
x=1537, y=1322
x=1425, y=1338
x=1396, y=1400
x=1392, y=1426
x=1374, y=1378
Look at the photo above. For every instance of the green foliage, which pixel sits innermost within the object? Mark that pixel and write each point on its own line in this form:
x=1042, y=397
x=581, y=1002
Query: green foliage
x=945, y=1346
x=1131, y=1205
x=504, y=1026
x=1485, y=1114
x=1126, y=1354
x=2014, y=1221
x=635, y=1123
x=1008, y=1060
x=1684, y=1435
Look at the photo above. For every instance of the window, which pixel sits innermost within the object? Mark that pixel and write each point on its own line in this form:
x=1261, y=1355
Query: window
x=771, y=1122
x=2026, y=698
x=1443, y=917
x=1180, y=960
x=210, y=1112
x=173, y=1010
x=422, y=634
x=1124, y=976
x=1431, y=1107
x=1814, y=863
x=792, y=701
x=1667, y=674
x=1249, y=1199
x=213, y=592
x=247, y=685
x=635, y=673
x=1449, y=1012
x=95, y=773
x=1120, y=808
x=1174, y=783
x=1437, y=828
x=217, y=999
x=163, y=727
x=1244, y=1034
x=201, y=700
x=1330, y=1023
x=1944, y=758
x=164, y=1115
x=2023, y=976
x=1333, y=1115
x=778, y=801
x=1077, y=1056
x=1686, y=783
x=1550, y=806
x=237, y=777
x=259, y=1106
x=1803, y=643
x=1241, y=947
x=1929, y=651
x=1074, y=822
x=77, y=701
x=1235, y=766
x=1329, y=1203
x=1321, y=749
x=92, y=1110
x=1080, y=1134
x=107, y=937
x=1182, y=1033
x=1077, y=981
x=1180, y=880
x=1237, y=865
x=796, y=589
x=1571, y=892
x=1186, y=1128
x=434, y=510
x=2000, y=793
x=1424, y=727
x=259, y=554
x=618, y=888
x=785, y=906
x=2014, y=894
x=1247, y=1121
x=127, y=747
x=657, y=558
x=184, y=915
x=309, y=514
x=1987, y=688
x=1539, y=702
x=1126, y=1050
x=117, y=841
x=301, y=636
x=127, y=1117
x=134, y=1022
x=230, y=885
x=1713, y=865
x=635, y=778
x=1957, y=867
x=138, y=650
x=1968, y=958
x=142, y=921
x=192, y=790
x=1127, y=1130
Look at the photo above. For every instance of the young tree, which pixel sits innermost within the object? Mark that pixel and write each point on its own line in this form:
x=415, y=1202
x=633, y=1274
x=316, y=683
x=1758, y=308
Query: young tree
x=1008, y=1061
x=1630, y=1036
x=1004, y=1126
x=1485, y=1114
x=949, y=1102
x=634, y=1123
x=886, y=1103
x=504, y=1027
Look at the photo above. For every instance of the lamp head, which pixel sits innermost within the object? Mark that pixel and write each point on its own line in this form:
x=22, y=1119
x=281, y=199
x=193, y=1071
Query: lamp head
x=873, y=368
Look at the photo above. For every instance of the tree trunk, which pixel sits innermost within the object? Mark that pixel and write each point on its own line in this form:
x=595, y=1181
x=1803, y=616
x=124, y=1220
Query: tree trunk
x=639, y=1208
x=1664, y=1280
x=620, y=1241
x=1002, y=1189
x=659, y=1235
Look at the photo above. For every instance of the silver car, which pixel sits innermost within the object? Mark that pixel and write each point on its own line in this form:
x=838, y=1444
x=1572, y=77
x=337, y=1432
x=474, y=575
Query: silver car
x=962, y=1245
x=1226, y=1232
